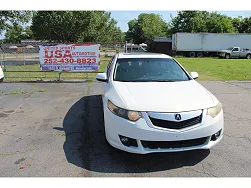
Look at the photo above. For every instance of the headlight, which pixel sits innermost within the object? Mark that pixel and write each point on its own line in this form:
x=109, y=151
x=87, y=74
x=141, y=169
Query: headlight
x=213, y=112
x=127, y=114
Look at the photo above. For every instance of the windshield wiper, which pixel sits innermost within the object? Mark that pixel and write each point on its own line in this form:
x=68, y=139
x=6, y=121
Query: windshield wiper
x=165, y=80
x=126, y=80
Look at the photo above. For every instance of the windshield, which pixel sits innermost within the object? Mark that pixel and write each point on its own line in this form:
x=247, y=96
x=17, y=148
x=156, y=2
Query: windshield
x=230, y=48
x=148, y=70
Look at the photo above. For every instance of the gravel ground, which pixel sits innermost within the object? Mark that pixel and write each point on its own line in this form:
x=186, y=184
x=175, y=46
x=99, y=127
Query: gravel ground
x=56, y=130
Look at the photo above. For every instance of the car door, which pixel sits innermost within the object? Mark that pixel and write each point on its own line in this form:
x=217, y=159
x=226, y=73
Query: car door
x=235, y=52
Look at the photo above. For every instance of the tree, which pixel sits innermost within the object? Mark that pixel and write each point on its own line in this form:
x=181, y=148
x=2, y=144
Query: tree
x=55, y=26
x=28, y=32
x=73, y=26
x=189, y=21
x=217, y=23
x=245, y=25
x=123, y=36
x=102, y=28
x=237, y=23
x=201, y=21
x=9, y=18
x=16, y=33
x=133, y=30
x=242, y=25
x=146, y=28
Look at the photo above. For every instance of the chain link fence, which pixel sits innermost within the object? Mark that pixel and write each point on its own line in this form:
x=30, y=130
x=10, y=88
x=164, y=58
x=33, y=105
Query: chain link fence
x=20, y=62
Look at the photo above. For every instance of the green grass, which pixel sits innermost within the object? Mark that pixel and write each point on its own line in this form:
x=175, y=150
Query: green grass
x=31, y=148
x=14, y=92
x=59, y=134
x=207, y=68
x=42, y=90
x=218, y=69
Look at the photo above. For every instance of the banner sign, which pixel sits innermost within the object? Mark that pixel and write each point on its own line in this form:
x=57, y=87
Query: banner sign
x=70, y=57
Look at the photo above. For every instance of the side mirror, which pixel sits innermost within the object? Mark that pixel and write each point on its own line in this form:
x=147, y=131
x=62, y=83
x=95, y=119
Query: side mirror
x=194, y=75
x=102, y=77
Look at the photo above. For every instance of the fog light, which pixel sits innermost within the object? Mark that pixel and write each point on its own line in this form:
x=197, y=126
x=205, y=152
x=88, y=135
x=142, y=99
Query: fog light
x=128, y=141
x=124, y=140
x=216, y=136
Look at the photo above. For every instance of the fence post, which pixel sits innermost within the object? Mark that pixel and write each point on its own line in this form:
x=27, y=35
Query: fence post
x=3, y=59
x=117, y=48
x=1, y=53
x=126, y=47
x=23, y=54
x=131, y=46
x=59, y=76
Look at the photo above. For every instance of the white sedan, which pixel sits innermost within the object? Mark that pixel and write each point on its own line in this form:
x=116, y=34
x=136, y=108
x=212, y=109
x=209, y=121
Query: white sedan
x=151, y=104
x=1, y=74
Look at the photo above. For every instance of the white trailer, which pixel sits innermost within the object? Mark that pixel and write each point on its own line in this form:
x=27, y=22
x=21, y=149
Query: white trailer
x=207, y=44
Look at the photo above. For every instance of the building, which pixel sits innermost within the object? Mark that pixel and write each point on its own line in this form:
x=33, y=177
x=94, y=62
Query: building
x=162, y=45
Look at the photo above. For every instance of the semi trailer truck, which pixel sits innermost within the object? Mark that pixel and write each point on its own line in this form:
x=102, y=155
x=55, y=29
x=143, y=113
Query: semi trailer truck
x=207, y=44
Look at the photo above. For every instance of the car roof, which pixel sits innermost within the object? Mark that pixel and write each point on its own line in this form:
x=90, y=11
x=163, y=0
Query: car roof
x=142, y=55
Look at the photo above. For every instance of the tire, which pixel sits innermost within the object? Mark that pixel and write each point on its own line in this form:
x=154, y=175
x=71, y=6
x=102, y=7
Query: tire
x=192, y=54
x=248, y=56
x=227, y=56
x=1, y=80
x=199, y=54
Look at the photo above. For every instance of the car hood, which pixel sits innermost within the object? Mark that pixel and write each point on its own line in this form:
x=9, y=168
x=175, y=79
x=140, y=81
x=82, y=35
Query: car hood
x=164, y=96
x=224, y=51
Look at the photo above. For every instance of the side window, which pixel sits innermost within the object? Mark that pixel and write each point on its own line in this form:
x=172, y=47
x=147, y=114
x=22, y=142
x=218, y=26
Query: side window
x=235, y=49
x=109, y=67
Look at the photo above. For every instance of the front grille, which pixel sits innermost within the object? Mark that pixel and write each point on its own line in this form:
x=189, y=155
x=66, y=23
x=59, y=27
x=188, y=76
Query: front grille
x=175, y=125
x=173, y=144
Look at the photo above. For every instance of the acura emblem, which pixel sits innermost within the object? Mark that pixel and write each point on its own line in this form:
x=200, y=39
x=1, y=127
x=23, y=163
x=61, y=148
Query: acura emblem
x=177, y=116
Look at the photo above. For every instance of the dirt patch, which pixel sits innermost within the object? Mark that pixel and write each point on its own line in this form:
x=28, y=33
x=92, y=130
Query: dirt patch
x=19, y=160
x=9, y=111
x=2, y=115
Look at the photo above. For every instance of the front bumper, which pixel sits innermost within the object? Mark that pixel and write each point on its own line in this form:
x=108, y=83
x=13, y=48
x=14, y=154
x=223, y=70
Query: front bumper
x=141, y=132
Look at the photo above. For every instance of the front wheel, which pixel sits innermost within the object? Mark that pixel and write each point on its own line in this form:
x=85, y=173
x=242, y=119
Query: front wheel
x=227, y=56
x=248, y=56
x=1, y=80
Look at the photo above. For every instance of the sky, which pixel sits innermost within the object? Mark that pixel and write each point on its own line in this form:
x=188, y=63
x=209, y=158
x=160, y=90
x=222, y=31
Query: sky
x=123, y=17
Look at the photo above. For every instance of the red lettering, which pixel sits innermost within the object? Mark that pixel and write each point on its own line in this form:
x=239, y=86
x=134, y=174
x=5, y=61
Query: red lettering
x=46, y=54
x=58, y=54
x=67, y=54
